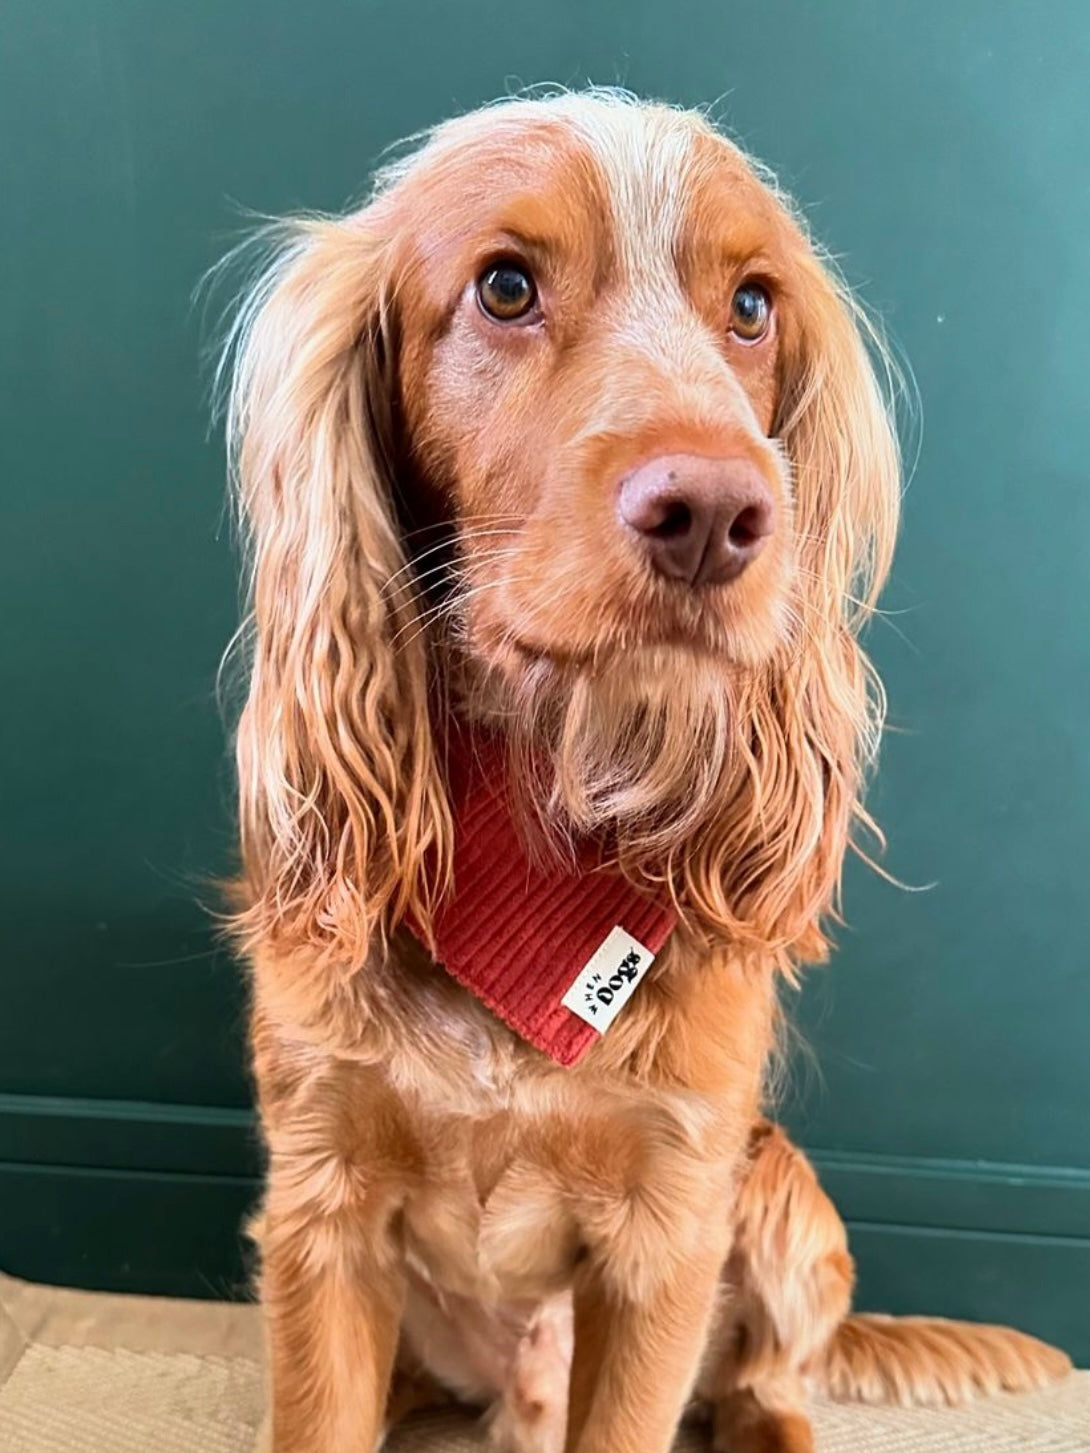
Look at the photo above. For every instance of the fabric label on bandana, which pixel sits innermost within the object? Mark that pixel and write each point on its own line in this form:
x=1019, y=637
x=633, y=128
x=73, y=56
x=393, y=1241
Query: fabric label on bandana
x=609, y=979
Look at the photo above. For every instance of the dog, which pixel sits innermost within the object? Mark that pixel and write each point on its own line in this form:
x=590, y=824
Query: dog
x=566, y=461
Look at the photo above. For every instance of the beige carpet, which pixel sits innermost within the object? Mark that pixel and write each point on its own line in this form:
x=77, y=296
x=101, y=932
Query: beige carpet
x=84, y=1373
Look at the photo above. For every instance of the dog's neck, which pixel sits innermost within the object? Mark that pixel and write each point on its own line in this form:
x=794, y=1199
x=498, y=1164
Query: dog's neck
x=553, y=943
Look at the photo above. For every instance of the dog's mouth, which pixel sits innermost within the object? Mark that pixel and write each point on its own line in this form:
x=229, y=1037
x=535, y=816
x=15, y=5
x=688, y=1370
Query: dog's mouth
x=611, y=651
x=526, y=612
x=610, y=640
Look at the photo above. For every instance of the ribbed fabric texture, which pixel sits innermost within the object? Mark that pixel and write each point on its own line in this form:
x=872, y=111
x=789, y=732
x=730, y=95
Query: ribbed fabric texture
x=517, y=935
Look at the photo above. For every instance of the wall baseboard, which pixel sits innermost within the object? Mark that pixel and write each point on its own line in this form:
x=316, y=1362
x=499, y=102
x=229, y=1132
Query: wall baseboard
x=129, y=1135
x=132, y=1196
x=957, y=1194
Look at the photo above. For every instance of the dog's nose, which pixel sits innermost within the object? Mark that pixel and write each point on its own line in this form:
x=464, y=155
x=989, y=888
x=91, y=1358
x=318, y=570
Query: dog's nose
x=700, y=520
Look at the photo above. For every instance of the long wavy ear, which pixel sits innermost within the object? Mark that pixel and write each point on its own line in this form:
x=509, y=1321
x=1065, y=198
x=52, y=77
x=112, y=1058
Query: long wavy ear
x=837, y=427
x=343, y=815
x=767, y=869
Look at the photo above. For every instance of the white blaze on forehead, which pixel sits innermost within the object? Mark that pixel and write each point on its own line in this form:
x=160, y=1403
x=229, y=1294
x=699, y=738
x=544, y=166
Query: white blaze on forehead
x=645, y=153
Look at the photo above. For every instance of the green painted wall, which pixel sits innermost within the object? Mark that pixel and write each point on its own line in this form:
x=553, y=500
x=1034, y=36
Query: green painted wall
x=943, y=150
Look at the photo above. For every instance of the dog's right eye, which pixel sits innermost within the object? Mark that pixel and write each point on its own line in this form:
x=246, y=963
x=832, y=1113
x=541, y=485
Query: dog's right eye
x=506, y=292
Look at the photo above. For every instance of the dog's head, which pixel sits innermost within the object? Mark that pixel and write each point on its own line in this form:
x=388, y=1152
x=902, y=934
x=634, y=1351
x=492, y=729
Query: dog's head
x=574, y=417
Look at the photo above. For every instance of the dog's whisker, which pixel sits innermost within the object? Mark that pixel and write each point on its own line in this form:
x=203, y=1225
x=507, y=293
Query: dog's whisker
x=456, y=571
x=452, y=608
x=463, y=537
x=877, y=612
x=465, y=522
x=454, y=568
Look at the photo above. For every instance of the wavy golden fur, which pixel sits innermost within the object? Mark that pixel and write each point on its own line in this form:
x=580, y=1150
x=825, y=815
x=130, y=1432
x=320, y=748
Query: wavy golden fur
x=430, y=502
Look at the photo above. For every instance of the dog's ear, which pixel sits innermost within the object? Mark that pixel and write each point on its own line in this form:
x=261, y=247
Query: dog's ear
x=838, y=431
x=836, y=424
x=343, y=815
x=768, y=868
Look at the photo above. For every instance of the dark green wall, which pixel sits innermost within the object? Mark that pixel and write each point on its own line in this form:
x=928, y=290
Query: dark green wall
x=943, y=151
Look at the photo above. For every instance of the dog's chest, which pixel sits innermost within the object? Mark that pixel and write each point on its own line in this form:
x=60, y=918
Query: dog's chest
x=490, y=1219
x=520, y=1166
x=510, y=1196
x=494, y=1214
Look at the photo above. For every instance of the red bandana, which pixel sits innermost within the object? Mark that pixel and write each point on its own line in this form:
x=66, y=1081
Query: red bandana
x=554, y=952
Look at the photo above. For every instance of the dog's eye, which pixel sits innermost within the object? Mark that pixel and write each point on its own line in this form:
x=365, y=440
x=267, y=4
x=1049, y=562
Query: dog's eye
x=506, y=291
x=750, y=312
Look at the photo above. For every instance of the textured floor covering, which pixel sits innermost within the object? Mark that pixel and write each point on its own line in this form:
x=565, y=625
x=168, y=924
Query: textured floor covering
x=84, y=1373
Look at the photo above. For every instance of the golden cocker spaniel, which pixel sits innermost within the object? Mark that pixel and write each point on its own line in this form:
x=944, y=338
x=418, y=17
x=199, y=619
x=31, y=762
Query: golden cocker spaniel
x=568, y=443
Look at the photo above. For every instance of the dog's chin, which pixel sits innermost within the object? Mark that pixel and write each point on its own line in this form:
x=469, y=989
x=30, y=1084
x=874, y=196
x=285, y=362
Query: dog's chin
x=654, y=656
x=632, y=742
x=638, y=625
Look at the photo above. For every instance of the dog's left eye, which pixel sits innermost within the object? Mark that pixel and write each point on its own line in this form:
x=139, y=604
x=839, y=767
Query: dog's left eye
x=750, y=312
x=506, y=292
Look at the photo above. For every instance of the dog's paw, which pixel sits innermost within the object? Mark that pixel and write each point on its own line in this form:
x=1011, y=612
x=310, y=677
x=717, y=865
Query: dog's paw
x=517, y=1425
x=741, y=1425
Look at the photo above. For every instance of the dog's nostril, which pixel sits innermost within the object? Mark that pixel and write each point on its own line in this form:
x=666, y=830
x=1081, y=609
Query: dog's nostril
x=677, y=521
x=701, y=520
x=748, y=527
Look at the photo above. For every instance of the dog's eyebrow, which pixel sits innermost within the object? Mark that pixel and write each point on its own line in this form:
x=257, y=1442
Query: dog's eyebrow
x=590, y=246
x=534, y=246
x=725, y=258
x=537, y=249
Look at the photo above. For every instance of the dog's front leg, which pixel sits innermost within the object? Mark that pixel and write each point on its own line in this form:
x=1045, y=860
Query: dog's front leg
x=635, y=1360
x=333, y=1289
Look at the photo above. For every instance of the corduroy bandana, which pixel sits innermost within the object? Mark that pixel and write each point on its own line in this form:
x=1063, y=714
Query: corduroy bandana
x=555, y=952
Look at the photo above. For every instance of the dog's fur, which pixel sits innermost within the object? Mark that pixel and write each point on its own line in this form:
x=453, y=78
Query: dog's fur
x=430, y=501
